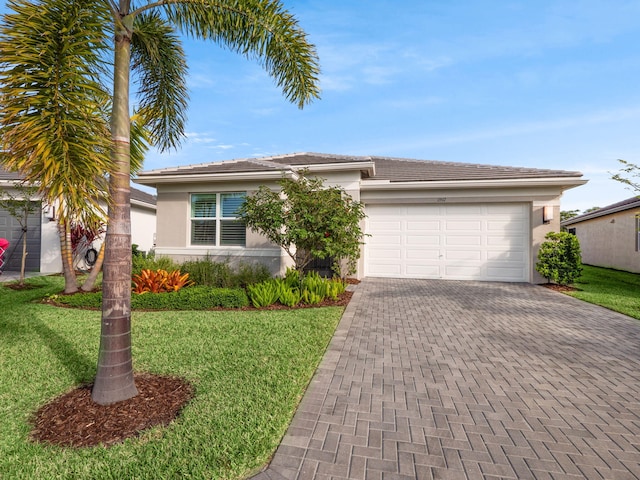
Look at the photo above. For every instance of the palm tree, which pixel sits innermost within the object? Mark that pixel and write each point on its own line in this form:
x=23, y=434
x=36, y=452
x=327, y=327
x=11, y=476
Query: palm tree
x=145, y=44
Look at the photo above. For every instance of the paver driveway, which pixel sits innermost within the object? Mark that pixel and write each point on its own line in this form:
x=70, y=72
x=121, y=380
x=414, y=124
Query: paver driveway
x=446, y=379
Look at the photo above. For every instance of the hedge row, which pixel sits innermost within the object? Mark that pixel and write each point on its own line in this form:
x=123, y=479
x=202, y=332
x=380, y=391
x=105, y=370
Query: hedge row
x=192, y=298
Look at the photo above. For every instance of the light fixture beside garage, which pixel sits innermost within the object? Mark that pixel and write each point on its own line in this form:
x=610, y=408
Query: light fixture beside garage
x=547, y=214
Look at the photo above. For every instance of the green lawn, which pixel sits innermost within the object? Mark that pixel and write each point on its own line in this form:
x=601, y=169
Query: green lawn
x=249, y=370
x=613, y=289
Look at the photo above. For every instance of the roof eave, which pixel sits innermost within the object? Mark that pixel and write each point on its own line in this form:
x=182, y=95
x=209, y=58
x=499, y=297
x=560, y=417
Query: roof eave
x=591, y=216
x=152, y=180
x=564, y=182
x=367, y=167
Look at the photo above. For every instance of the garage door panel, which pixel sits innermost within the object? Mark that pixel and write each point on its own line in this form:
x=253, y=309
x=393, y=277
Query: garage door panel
x=428, y=240
x=506, y=226
x=463, y=225
x=513, y=241
x=460, y=240
x=423, y=211
x=466, y=272
x=505, y=274
x=384, y=240
x=431, y=226
x=516, y=256
x=418, y=255
x=423, y=271
x=387, y=253
x=475, y=242
x=467, y=255
x=458, y=210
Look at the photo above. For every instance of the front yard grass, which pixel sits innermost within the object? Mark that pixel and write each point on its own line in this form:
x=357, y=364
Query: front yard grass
x=249, y=370
x=612, y=289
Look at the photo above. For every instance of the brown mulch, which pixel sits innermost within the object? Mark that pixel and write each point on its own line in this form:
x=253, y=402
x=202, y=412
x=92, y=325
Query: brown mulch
x=74, y=420
x=559, y=288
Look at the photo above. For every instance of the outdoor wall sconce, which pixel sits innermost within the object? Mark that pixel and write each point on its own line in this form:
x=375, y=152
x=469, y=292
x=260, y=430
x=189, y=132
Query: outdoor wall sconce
x=50, y=212
x=547, y=214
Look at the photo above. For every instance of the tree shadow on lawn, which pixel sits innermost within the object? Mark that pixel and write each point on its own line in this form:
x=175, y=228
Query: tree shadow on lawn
x=81, y=368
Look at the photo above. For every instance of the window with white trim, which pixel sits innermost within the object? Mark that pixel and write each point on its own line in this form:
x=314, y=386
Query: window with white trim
x=214, y=219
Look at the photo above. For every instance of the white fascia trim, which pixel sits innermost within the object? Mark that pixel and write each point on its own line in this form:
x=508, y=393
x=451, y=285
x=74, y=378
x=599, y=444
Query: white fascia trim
x=369, y=167
x=567, y=182
x=222, y=251
x=152, y=180
x=138, y=203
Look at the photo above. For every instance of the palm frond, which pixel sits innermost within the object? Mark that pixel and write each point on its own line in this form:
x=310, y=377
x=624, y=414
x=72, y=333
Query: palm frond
x=160, y=64
x=259, y=29
x=52, y=99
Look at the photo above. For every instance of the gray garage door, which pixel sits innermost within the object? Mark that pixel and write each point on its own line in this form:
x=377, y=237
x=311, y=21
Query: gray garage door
x=12, y=231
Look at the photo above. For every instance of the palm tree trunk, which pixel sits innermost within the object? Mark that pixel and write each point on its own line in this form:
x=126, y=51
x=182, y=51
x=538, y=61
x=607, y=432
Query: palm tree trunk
x=90, y=281
x=70, y=280
x=114, y=380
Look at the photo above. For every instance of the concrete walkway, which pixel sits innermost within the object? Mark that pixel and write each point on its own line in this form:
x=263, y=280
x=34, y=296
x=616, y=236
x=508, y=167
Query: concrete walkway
x=463, y=380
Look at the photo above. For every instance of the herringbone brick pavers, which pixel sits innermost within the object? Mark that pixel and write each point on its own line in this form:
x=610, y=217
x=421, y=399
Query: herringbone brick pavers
x=464, y=380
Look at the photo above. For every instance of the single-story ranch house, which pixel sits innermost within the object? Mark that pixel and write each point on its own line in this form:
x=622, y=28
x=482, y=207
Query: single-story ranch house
x=610, y=236
x=425, y=219
x=43, y=242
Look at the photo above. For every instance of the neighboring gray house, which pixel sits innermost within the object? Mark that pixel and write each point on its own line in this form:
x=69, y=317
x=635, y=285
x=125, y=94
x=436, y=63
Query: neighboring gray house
x=43, y=243
x=609, y=236
x=425, y=219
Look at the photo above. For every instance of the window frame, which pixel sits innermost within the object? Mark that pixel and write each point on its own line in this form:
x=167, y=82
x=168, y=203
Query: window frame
x=218, y=219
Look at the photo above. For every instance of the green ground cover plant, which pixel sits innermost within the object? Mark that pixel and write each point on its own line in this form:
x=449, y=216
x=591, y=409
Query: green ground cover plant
x=192, y=298
x=613, y=289
x=249, y=370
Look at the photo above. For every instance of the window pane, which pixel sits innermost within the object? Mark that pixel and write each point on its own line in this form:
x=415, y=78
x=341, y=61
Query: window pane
x=233, y=232
x=203, y=205
x=203, y=232
x=231, y=202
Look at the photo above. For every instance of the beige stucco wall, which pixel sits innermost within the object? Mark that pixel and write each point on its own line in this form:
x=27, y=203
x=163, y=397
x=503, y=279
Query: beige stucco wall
x=173, y=229
x=610, y=241
x=173, y=203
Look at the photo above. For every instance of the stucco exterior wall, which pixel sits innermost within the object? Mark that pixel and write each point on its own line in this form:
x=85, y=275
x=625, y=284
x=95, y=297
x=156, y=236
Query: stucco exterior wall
x=173, y=237
x=610, y=241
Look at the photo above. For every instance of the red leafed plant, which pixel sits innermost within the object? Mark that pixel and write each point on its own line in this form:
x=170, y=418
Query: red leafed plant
x=160, y=281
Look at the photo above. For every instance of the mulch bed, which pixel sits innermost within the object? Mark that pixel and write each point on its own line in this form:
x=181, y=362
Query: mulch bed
x=74, y=420
x=559, y=288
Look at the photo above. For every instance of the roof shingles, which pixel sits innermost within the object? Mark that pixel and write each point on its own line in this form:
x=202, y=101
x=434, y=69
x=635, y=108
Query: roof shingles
x=386, y=168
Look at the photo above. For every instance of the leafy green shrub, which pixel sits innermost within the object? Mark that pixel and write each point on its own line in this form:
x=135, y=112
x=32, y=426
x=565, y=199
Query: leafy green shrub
x=151, y=262
x=559, y=258
x=205, y=271
x=264, y=294
x=290, y=297
x=311, y=298
x=292, y=278
x=250, y=273
x=80, y=300
x=192, y=298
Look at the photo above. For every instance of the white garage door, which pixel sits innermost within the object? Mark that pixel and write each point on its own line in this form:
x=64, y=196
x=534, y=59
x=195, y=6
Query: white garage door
x=457, y=242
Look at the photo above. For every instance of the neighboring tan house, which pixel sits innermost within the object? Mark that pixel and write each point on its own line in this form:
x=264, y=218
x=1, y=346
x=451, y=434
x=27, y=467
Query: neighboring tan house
x=43, y=242
x=425, y=219
x=609, y=236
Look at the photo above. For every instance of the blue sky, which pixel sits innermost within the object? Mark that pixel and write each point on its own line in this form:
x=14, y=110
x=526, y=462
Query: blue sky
x=546, y=84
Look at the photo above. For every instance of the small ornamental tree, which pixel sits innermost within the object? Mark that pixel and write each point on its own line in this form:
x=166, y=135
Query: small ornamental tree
x=308, y=220
x=559, y=258
x=20, y=207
